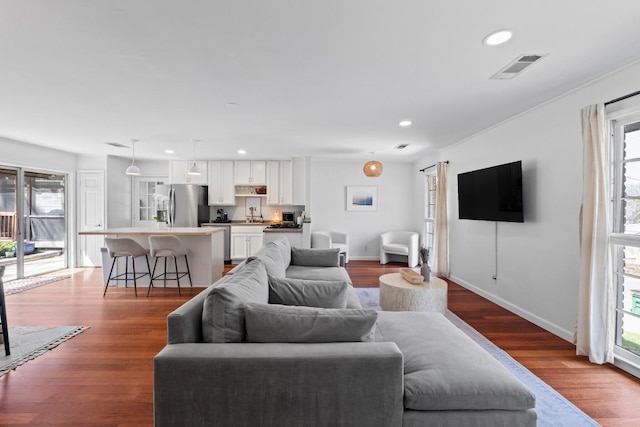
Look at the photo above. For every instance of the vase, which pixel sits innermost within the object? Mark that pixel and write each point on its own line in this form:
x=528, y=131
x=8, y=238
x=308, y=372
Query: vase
x=426, y=272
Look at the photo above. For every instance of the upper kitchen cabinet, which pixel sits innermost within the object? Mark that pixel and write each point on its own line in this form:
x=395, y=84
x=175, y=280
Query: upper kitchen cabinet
x=299, y=181
x=279, y=183
x=178, y=172
x=250, y=172
x=221, y=183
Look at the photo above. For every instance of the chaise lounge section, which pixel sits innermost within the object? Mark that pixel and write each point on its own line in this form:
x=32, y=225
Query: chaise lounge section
x=260, y=348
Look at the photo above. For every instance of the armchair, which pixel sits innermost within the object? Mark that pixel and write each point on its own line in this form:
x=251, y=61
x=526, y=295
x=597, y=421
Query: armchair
x=325, y=239
x=399, y=243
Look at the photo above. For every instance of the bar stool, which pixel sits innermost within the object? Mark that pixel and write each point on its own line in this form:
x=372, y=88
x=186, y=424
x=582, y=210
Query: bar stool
x=128, y=248
x=168, y=246
x=3, y=316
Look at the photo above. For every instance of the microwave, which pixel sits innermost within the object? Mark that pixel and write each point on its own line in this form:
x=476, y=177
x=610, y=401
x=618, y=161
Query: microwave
x=289, y=217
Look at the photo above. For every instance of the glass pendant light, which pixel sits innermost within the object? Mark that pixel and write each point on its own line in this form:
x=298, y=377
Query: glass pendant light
x=193, y=170
x=133, y=169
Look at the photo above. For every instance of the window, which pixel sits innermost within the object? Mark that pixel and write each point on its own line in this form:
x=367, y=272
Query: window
x=625, y=236
x=145, y=205
x=429, y=212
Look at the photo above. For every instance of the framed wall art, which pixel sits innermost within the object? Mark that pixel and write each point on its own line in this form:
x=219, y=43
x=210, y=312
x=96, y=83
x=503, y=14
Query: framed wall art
x=362, y=198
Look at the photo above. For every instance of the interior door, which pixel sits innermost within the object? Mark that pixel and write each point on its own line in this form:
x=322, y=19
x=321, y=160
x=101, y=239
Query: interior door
x=91, y=217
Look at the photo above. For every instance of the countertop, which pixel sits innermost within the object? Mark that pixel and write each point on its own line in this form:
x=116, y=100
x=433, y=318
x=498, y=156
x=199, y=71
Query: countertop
x=142, y=231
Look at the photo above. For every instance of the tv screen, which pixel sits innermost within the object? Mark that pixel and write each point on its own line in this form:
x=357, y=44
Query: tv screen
x=491, y=194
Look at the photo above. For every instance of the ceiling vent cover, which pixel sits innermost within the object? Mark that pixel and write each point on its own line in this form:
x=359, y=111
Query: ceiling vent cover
x=401, y=146
x=116, y=144
x=516, y=67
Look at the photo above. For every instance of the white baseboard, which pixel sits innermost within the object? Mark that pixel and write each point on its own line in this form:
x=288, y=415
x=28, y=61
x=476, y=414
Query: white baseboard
x=544, y=324
x=364, y=258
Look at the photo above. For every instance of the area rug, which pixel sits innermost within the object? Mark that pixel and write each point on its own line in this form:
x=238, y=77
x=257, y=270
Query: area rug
x=29, y=342
x=552, y=408
x=19, y=285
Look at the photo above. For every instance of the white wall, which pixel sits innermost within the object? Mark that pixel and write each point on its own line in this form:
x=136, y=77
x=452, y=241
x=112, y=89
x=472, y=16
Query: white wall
x=328, y=181
x=119, y=187
x=538, y=261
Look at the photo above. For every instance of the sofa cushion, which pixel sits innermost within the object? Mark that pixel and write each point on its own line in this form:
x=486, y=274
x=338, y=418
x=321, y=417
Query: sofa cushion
x=315, y=257
x=281, y=323
x=444, y=369
x=275, y=256
x=318, y=273
x=223, y=309
x=396, y=248
x=310, y=293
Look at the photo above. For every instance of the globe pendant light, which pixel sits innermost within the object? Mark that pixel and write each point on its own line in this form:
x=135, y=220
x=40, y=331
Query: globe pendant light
x=133, y=169
x=193, y=170
x=372, y=168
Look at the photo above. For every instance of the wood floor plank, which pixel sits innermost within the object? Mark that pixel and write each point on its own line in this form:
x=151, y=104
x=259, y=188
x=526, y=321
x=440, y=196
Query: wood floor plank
x=104, y=376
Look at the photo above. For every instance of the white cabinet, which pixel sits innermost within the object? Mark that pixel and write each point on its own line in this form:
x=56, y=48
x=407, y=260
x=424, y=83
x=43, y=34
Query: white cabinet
x=250, y=172
x=299, y=181
x=178, y=172
x=246, y=240
x=279, y=183
x=220, y=182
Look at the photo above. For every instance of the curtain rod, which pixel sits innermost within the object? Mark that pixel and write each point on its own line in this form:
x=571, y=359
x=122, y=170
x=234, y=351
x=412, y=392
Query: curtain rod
x=622, y=98
x=429, y=167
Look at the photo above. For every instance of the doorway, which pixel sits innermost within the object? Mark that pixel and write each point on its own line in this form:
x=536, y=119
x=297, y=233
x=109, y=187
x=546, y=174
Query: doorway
x=33, y=222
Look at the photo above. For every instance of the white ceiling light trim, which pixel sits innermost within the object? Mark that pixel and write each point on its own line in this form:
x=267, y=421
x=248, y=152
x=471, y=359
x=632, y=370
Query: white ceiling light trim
x=497, y=37
x=405, y=123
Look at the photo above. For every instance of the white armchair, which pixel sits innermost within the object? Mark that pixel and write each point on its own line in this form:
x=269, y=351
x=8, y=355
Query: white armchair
x=400, y=243
x=325, y=239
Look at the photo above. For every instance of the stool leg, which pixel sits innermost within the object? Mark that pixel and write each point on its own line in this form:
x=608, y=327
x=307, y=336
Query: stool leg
x=152, y=275
x=135, y=283
x=109, y=278
x=188, y=271
x=165, y=272
x=175, y=262
x=126, y=272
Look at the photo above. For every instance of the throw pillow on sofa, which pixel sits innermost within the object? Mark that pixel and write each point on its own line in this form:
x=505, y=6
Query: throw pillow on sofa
x=309, y=293
x=267, y=323
x=223, y=310
x=315, y=257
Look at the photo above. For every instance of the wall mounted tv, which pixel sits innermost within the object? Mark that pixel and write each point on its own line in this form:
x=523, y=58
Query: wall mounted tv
x=491, y=194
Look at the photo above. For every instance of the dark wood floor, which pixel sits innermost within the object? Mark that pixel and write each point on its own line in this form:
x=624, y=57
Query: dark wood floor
x=103, y=377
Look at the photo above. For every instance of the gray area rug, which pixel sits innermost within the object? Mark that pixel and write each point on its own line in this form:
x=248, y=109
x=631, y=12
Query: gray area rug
x=19, y=285
x=552, y=408
x=29, y=342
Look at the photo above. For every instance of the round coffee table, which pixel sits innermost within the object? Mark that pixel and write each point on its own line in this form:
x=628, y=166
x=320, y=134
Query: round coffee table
x=396, y=294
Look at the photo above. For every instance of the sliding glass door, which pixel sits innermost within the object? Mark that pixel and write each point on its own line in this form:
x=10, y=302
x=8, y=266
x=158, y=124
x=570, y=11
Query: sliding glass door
x=33, y=231
x=626, y=237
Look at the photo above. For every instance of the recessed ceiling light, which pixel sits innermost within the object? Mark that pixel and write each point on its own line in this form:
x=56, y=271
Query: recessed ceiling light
x=169, y=151
x=405, y=123
x=242, y=151
x=497, y=37
x=231, y=104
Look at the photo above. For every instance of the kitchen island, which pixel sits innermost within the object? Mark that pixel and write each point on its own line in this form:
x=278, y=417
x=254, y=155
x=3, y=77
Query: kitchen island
x=206, y=246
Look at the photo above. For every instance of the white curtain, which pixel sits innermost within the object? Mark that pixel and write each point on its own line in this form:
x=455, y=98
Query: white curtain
x=596, y=315
x=441, y=232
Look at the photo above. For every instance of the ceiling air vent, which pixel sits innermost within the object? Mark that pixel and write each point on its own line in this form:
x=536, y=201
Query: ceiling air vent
x=116, y=144
x=401, y=146
x=516, y=67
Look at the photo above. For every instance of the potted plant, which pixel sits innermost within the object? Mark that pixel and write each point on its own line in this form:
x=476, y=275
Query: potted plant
x=8, y=249
x=160, y=221
x=424, y=268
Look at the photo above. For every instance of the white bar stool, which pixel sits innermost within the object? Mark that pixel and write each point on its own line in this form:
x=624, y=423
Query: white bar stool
x=128, y=248
x=168, y=246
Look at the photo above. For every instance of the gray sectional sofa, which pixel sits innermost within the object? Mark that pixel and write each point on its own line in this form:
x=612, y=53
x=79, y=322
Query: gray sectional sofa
x=282, y=340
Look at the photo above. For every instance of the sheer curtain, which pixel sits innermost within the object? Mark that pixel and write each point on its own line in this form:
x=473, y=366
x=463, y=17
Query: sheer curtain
x=441, y=233
x=596, y=321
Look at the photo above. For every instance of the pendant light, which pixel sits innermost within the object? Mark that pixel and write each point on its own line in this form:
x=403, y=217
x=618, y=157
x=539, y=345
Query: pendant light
x=133, y=169
x=193, y=170
x=372, y=168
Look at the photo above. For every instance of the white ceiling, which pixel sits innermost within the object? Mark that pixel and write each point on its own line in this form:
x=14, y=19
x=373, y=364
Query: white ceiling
x=328, y=78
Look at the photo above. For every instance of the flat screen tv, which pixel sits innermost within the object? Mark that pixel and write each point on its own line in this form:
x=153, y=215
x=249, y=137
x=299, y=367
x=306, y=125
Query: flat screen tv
x=491, y=194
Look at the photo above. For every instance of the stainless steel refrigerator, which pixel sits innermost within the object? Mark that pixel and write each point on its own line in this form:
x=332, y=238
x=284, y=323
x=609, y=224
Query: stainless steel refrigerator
x=187, y=205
